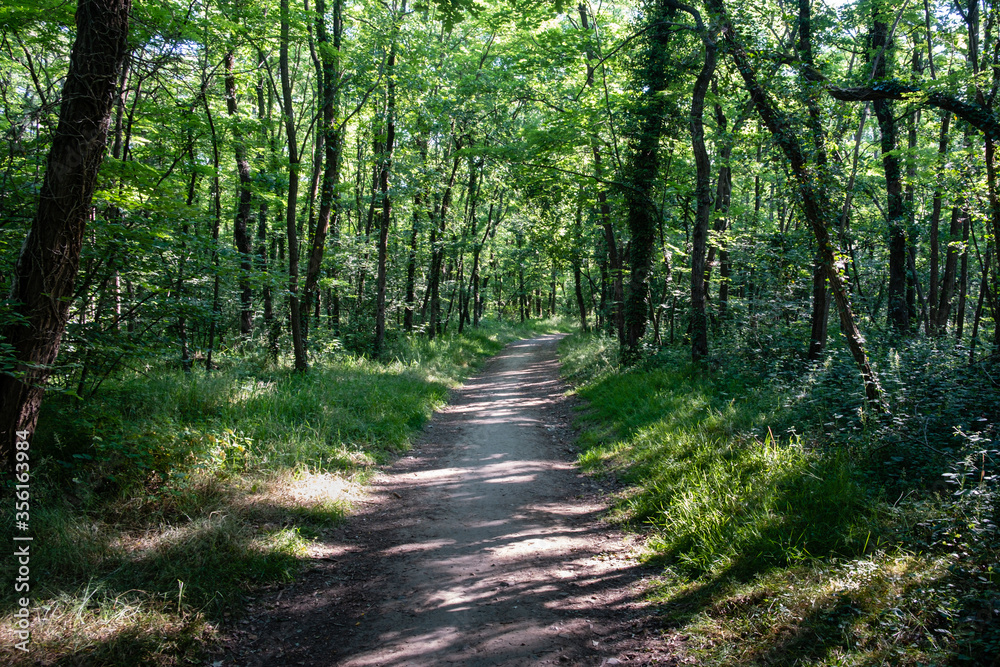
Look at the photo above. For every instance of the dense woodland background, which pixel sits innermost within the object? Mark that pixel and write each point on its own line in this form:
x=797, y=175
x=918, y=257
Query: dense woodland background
x=800, y=193
x=383, y=169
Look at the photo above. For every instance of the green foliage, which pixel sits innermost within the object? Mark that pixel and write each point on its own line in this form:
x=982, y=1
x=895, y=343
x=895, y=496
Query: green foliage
x=503, y=88
x=167, y=498
x=719, y=497
x=846, y=542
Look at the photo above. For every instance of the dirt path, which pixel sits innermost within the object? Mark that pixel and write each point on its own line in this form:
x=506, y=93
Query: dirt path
x=483, y=547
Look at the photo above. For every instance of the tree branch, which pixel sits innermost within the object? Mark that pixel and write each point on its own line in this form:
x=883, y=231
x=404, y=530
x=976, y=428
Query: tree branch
x=977, y=116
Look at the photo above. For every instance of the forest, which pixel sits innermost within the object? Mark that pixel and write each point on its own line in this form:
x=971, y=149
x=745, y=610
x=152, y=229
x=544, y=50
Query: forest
x=247, y=248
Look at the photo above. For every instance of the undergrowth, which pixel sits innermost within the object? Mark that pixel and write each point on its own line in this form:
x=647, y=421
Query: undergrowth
x=161, y=503
x=791, y=528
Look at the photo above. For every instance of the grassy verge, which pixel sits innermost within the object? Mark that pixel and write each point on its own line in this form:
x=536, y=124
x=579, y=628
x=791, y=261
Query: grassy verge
x=772, y=521
x=160, y=504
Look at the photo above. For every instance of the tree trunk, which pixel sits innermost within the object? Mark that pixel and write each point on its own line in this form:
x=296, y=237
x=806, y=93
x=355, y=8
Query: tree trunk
x=948, y=282
x=898, y=314
x=474, y=279
x=577, y=277
x=263, y=114
x=44, y=276
x=983, y=290
x=432, y=295
x=385, y=167
x=298, y=344
x=815, y=201
x=723, y=197
x=963, y=285
x=703, y=213
x=819, y=318
x=933, y=323
x=411, y=265
x=240, y=235
x=332, y=146
x=470, y=218
x=437, y=248
x=642, y=171
x=614, y=256
x=216, y=224
x=914, y=292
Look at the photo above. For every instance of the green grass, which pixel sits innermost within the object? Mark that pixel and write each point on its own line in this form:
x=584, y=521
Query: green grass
x=770, y=525
x=170, y=497
x=705, y=473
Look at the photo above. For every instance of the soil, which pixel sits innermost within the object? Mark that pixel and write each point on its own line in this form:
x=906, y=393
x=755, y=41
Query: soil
x=483, y=546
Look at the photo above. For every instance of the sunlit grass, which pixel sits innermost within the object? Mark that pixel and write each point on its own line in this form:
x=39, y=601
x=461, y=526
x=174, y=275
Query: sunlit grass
x=169, y=498
x=776, y=546
x=707, y=476
x=870, y=609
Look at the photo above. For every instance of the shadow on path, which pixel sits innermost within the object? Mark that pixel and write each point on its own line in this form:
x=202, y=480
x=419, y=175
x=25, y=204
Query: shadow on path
x=485, y=546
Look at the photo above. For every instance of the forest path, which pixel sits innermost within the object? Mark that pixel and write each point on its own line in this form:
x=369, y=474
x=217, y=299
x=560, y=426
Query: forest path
x=484, y=546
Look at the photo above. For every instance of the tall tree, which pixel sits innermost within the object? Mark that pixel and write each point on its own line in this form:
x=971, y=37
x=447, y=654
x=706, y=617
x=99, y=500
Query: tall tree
x=240, y=225
x=881, y=54
x=613, y=252
x=703, y=192
x=642, y=169
x=330, y=44
x=814, y=196
x=288, y=113
x=45, y=274
x=385, y=168
x=819, y=317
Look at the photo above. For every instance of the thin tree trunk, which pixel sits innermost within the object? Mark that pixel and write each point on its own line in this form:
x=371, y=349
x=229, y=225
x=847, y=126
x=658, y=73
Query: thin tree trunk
x=914, y=293
x=963, y=286
x=949, y=282
x=816, y=204
x=475, y=186
x=983, y=290
x=185, y=230
x=577, y=278
x=332, y=147
x=216, y=224
x=703, y=213
x=298, y=344
x=933, y=322
x=475, y=278
x=240, y=235
x=437, y=246
x=411, y=265
x=384, y=169
x=263, y=114
x=723, y=197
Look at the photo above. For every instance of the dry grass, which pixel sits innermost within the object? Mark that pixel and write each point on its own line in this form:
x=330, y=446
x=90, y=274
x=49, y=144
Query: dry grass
x=166, y=502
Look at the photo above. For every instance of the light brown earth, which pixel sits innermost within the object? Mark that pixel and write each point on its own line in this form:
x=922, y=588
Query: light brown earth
x=483, y=546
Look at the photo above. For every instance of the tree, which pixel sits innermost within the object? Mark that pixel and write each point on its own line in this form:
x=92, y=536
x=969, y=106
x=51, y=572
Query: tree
x=898, y=316
x=333, y=142
x=815, y=200
x=46, y=270
x=642, y=171
x=384, y=169
x=288, y=113
x=240, y=234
